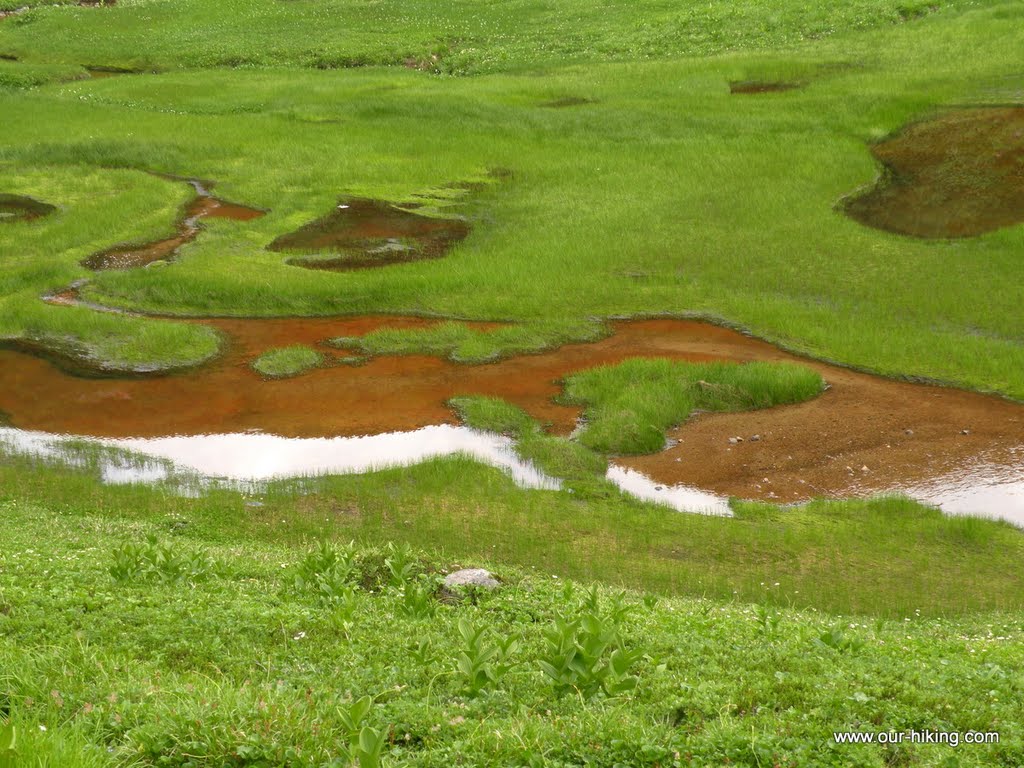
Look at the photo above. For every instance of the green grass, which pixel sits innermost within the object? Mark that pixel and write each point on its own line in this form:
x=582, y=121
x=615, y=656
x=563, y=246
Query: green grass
x=225, y=642
x=888, y=557
x=630, y=406
x=284, y=362
x=460, y=37
x=664, y=195
x=580, y=468
x=127, y=658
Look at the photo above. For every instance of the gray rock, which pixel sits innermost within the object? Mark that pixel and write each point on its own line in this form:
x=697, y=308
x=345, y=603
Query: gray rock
x=470, y=577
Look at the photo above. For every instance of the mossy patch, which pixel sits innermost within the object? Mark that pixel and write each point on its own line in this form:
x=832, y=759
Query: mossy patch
x=629, y=406
x=285, y=362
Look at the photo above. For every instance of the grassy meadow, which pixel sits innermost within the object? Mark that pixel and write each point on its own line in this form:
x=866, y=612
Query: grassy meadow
x=606, y=171
x=663, y=193
x=141, y=629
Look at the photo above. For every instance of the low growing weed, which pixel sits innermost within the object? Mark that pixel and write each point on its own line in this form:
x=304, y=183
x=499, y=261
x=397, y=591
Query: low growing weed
x=156, y=561
x=483, y=661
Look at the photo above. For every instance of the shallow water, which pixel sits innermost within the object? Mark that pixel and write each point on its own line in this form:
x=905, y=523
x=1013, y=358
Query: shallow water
x=252, y=457
x=22, y=208
x=865, y=435
x=363, y=233
x=958, y=175
x=204, y=205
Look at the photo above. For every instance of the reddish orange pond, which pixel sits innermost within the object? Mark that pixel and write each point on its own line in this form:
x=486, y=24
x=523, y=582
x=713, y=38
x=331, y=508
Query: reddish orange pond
x=864, y=435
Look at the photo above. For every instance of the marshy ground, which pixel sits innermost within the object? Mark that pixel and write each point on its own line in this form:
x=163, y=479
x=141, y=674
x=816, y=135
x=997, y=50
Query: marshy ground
x=500, y=215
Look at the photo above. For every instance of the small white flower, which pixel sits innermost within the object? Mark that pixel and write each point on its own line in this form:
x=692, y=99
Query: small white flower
x=42, y=728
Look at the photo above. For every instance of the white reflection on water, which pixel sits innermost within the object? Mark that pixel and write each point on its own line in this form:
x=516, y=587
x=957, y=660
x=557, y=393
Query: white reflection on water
x=254, y=456
x=983, y=489
x=986, y=490
x=679, y=497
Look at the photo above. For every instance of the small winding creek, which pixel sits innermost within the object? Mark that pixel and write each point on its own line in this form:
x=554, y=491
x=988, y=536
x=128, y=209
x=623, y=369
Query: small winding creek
x=865, y=435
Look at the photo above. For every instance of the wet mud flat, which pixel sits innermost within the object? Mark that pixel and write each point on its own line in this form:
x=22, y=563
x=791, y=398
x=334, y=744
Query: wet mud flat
x=22, y=208
x=959, y=174
x=863, y=436
x=361, y=233
x=204, y=205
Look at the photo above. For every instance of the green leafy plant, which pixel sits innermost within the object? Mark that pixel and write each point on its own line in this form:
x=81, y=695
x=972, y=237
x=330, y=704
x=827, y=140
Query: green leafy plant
x=838, y=639
x=365, y=744
x=400, y=563
x=328, y=572
x=483, y=661
x=418, y=600
x=157, y=561
x=8, y=745
x=586, y=655
x=767, y=619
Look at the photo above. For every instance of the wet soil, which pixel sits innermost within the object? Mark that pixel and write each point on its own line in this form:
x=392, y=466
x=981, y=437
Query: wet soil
x=203, y=206
x=753, y=87
x=364, y=233
x=102, y=72
x=864, y=435
x=960, y=174
x=21, y=208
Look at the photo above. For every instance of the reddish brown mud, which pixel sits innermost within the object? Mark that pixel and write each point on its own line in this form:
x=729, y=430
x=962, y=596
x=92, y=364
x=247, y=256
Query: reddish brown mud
x=751, y=87
x=958, y=175
x=366, y=233
x=22, y=208
x=203, y=206
x=865, y=434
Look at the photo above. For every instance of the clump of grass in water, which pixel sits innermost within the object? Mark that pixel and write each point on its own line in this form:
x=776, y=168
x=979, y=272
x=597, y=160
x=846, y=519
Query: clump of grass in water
x=284, y=362
x=629, y=406
x=581, y=468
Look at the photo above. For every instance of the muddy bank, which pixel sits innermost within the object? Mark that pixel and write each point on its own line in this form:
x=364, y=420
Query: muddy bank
x=204, y=205
x=100, y=72
x=364, y=233
x=22, y=208
x=864, y=435
x=957, y=175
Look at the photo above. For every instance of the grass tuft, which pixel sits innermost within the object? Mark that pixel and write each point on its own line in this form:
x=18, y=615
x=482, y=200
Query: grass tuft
x=285, y=362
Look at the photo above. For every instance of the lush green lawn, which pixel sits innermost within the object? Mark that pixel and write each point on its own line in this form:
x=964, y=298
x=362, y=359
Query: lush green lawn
x=220, y=650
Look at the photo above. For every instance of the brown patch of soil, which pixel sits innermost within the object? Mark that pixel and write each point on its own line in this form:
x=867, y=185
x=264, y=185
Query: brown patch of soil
x=568, y=101
x=203, y=206
x=960, y=174
x=760, y=86
x=865, y=434
x=101, y=72
x=370, y=233
x=22, y=208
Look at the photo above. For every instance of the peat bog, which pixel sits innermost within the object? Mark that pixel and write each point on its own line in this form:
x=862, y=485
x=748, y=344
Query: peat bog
x=22, y=208
x=204, y=205
x=958, y=174
x=370, y=233
x=864, y=435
